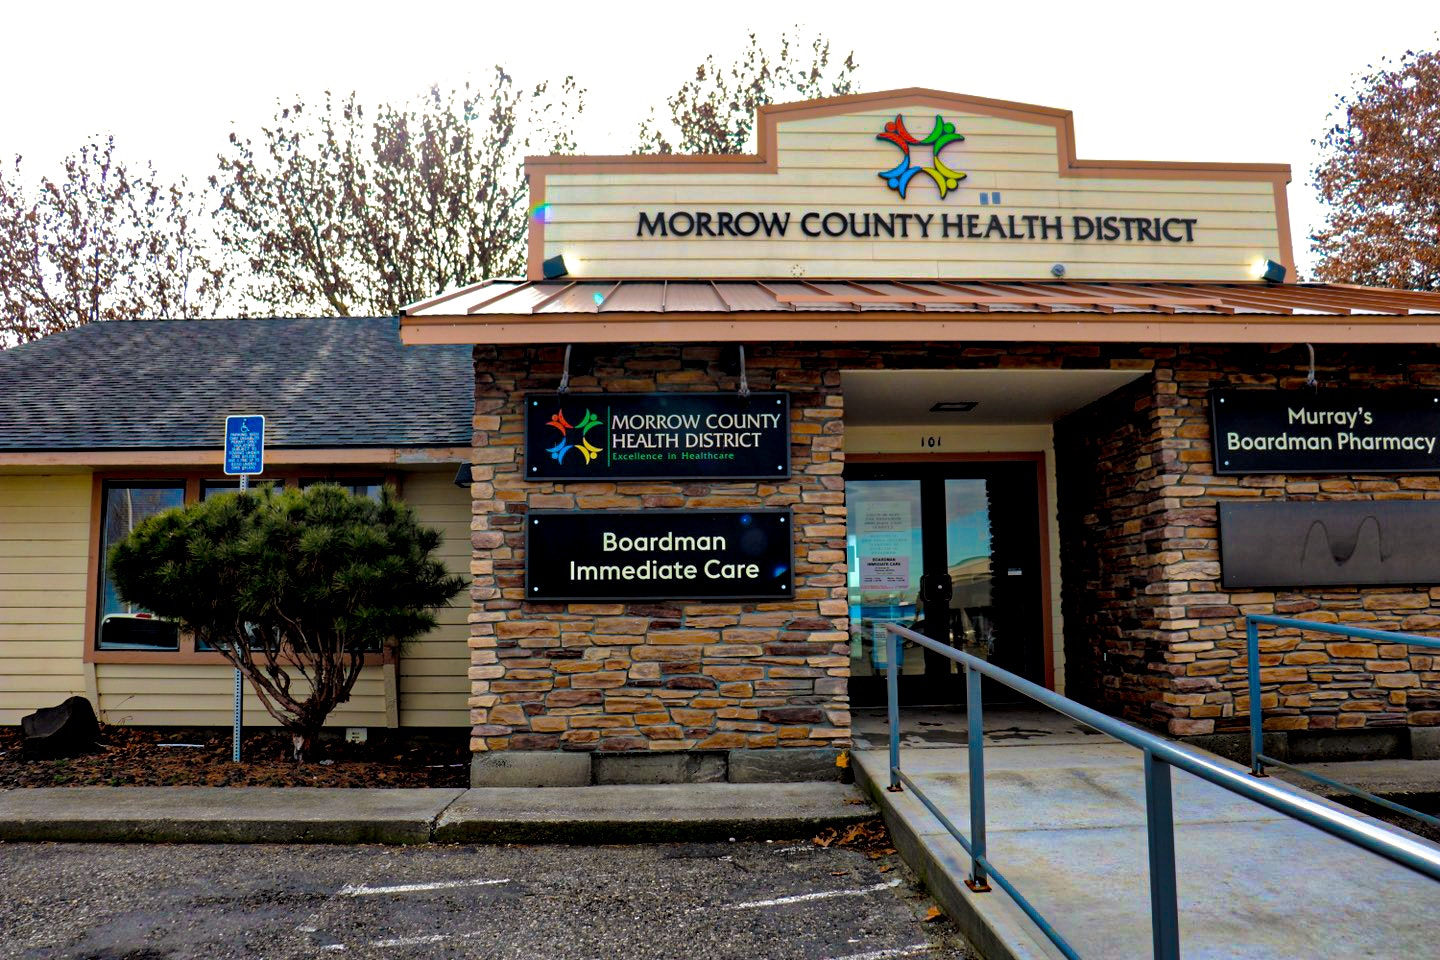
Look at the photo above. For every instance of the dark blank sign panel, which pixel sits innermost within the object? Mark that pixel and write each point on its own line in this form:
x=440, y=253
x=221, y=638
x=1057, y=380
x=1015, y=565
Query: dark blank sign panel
x=1306, y=543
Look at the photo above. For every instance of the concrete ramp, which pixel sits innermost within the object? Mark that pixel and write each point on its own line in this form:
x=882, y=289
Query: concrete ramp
x=1066, y=825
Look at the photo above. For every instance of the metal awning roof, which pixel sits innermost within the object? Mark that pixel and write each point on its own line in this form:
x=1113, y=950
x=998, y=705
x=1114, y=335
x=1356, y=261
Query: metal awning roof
x=595, y=310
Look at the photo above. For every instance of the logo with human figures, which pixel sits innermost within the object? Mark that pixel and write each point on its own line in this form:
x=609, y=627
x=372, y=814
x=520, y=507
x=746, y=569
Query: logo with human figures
x=941, y=136
x=567, y=433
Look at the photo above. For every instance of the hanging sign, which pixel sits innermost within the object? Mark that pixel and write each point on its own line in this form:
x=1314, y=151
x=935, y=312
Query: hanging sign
x=586, y=555
x=1326, y=431
x=657, y=436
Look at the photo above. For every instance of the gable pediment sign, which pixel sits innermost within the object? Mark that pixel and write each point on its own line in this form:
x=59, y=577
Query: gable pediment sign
x=907, y=184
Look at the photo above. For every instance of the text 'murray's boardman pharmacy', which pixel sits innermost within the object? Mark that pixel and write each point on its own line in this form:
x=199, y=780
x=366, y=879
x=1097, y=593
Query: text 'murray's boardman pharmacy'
x=671, y=436
x=659, y=555
x=1326, y=431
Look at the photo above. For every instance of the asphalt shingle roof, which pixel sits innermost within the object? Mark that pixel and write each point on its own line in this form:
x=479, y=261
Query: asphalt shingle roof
x=169, y=384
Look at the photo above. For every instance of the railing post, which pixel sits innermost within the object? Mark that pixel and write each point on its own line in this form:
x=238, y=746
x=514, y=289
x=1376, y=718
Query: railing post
x=1160, y=829
x=1257, y=719
x=975, y=721
x=892, y=696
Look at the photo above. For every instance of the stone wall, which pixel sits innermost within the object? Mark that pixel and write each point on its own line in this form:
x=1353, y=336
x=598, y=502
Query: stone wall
x=1150, y=633
x=1164, y=640
x=658, y=676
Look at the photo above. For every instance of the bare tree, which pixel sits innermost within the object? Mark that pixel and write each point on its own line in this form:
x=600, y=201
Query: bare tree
x=714, y=112
x=103, y=242
x=1379, y=177
x=348, y=210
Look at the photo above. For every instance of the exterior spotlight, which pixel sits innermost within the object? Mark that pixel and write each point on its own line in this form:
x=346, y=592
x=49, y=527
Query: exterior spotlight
x=554, y=268
x=1272, y=272
x=1058, y=270
x=462, y=476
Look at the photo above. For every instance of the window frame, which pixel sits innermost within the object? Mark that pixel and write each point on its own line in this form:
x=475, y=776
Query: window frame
x=191, y=478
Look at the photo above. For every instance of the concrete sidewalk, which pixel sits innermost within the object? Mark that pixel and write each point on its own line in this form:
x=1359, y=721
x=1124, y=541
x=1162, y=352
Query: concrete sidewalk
x=1066, y=825
x=597, y=814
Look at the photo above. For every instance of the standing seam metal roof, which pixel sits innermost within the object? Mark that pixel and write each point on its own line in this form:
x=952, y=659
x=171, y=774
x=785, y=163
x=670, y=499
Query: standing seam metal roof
x=573, y=296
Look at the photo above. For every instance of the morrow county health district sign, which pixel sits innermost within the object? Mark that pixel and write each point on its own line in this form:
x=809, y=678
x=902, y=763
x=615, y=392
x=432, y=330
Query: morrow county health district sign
x=657, y=436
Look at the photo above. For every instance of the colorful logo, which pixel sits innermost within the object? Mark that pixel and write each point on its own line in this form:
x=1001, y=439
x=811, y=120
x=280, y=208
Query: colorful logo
x=899, y=176
x=586, y=448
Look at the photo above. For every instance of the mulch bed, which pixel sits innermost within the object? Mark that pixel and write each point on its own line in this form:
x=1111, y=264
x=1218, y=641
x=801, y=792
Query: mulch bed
x=134, y=757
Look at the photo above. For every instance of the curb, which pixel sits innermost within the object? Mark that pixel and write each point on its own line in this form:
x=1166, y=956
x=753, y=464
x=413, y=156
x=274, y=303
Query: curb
x=595, y=832
x=576, y=815
x=397, y=832
x=980, y=928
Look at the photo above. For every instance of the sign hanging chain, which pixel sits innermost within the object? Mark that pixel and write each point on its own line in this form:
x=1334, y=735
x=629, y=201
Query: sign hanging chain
x=1310, y=377
x=565, y=375
x=744, y=383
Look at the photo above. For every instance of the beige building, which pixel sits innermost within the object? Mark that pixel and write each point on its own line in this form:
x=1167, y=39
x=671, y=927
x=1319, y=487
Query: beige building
x=912, y=362
x=103, y=425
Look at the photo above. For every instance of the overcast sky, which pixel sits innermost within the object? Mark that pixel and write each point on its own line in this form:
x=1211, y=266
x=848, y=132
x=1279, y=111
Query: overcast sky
x=1147, y=81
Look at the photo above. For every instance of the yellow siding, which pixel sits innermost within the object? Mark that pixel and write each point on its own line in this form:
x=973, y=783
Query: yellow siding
x=202, y=695
x=44, y=546
x=832, y=163
x=434, y=681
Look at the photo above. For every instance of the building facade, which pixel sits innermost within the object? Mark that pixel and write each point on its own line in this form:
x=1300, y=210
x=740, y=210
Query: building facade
x=1000, y=365
x=105, y=424
x=912, y=362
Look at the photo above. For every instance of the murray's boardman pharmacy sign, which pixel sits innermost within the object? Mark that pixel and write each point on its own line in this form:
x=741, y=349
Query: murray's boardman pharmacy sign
x=657, y=436
x=1326, y=431
x=586, y=555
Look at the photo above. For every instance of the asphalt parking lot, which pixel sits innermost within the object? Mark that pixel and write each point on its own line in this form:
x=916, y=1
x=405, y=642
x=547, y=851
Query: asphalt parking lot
x=757, y=901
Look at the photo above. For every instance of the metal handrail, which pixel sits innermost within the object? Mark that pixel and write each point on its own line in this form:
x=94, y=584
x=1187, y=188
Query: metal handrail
x=1159, y=756
x=1258, y=760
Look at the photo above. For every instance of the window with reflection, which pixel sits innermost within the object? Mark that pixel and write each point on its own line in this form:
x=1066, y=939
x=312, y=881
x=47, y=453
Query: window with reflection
x=360, y=487
x=208, y=488
x=125, y=504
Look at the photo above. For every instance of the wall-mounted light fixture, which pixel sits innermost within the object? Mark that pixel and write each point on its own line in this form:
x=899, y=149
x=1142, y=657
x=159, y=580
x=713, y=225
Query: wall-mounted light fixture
x=1269, y=271
x=953, y=406
x=463, y=476
x=554, y=267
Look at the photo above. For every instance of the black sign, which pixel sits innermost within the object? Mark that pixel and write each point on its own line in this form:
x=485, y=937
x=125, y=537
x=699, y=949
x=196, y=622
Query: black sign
x=1326, y=431
x=659, y=555
x=657, y=436
x=1306, y=543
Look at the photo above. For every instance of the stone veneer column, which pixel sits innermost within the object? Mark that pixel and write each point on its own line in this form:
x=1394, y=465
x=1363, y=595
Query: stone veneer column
x=1154, y=636
x=654, y=678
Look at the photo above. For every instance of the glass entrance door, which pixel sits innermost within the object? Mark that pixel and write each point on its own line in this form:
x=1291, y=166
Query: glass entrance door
x=951, y=550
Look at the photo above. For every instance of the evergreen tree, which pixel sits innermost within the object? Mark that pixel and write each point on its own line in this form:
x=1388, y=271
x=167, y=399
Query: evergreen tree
x=294, y=588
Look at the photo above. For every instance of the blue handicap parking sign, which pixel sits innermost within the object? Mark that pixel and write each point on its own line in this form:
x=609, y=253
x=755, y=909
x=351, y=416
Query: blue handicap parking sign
x=244, y=446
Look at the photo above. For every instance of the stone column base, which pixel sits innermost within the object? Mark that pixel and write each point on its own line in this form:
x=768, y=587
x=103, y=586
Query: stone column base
x=548, y=768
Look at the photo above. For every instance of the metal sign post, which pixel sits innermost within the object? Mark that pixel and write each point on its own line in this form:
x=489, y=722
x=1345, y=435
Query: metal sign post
x=244, y=456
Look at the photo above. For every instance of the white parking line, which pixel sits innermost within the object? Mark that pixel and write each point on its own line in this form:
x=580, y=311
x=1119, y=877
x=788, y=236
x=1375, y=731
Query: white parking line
x=803, y=897
x=911, y=951
x=421, y=941
x=364, y=891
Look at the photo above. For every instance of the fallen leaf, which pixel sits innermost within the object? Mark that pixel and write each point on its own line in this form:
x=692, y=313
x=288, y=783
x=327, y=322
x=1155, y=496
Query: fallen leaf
x=933, y=914
x=887, y=868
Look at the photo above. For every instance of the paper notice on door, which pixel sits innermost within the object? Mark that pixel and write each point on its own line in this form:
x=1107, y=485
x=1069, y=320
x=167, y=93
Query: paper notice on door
x=885, y=573
x=883, y=531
